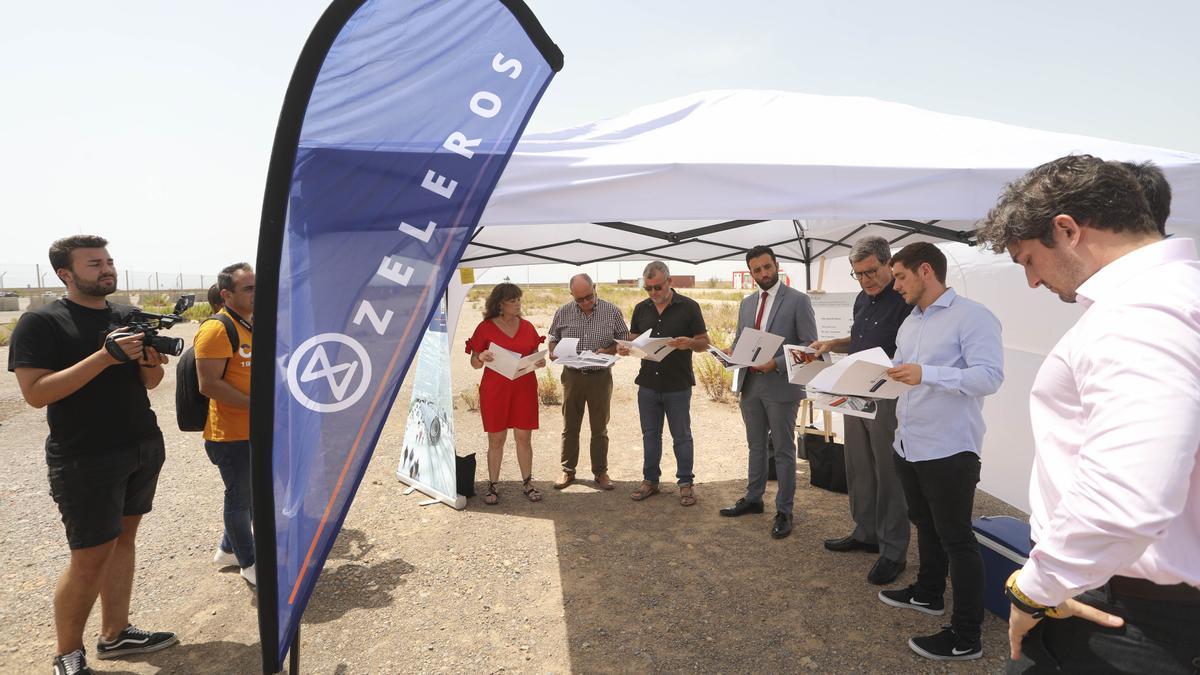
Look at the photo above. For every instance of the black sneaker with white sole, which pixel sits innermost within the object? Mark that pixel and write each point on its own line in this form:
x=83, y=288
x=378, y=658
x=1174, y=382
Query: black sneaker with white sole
x=134, y=641
x=74, y=663
x=909, y=598
x=946, y=646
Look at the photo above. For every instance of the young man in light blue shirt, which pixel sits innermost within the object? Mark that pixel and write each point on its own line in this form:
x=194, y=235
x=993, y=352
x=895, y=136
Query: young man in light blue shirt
x=949, y=348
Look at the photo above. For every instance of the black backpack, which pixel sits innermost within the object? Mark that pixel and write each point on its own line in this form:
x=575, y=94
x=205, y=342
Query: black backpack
x=191, y=407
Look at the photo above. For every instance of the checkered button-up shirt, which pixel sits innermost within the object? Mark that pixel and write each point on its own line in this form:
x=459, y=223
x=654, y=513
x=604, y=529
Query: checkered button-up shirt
x=595, y=331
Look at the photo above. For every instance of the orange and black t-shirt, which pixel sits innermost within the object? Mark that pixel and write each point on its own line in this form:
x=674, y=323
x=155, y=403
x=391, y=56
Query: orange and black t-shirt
x=225, y=422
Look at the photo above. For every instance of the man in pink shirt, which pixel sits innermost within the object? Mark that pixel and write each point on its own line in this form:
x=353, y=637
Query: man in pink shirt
x=1115, y=491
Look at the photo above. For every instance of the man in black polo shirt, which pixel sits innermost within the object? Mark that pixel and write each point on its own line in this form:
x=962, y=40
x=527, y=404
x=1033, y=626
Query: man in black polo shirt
x=665, y=387
x=876, y=497
x=104, y=451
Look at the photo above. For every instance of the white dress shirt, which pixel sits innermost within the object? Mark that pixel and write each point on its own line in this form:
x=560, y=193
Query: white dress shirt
x=766, y=311
x=1115, y=410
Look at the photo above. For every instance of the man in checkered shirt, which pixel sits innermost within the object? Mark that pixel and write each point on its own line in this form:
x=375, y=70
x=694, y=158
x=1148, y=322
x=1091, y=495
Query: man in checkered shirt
x=597, y=324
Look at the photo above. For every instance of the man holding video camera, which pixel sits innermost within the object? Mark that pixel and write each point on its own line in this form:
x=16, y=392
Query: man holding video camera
x=105, y=449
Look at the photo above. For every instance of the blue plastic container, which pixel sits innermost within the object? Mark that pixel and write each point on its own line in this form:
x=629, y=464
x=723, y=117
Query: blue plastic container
x=1004, y=544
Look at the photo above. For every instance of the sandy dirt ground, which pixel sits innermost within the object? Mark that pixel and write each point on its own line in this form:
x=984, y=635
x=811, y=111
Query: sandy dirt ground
x=585, y=581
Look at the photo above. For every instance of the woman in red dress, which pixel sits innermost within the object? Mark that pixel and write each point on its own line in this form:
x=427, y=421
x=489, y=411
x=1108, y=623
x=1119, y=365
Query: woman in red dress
x=503, y=403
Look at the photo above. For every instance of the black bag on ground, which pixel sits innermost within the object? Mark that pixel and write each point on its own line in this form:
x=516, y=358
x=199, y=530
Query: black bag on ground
x=826, y=463
x=191, y=407
x=464, y=475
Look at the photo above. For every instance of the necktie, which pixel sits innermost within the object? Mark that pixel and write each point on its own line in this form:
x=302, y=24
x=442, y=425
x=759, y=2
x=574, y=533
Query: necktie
x=762, y=304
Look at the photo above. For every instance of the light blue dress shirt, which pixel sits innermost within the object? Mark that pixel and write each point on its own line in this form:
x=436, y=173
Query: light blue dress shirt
x=957, y=343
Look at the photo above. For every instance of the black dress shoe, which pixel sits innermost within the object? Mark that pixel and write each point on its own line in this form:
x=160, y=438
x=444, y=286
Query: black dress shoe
x=782, y=526
x=885, y=571
x=850, y=544
x=742, y=506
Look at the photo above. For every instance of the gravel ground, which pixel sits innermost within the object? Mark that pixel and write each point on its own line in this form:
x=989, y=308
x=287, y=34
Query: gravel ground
x=585, y=581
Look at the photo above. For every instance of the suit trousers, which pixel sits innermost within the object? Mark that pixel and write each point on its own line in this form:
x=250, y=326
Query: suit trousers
x=592, y=390
x=876, y=496
x=761, y=415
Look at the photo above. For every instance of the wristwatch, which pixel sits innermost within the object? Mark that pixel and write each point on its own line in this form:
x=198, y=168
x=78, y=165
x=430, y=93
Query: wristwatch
x=1023, y=602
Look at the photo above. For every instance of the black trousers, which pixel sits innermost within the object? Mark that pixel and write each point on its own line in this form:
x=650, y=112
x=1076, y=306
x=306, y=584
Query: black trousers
x=940, y=495
x=1158, y=637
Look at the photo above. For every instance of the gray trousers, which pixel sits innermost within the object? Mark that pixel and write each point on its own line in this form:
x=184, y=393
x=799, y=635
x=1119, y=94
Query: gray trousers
x=761, y=415
x=876, y=497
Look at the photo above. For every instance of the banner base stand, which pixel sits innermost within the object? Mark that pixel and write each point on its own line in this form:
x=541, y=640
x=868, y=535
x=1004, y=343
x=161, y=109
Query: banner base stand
x=457, y=502
x=428, y=502
x=409, y=491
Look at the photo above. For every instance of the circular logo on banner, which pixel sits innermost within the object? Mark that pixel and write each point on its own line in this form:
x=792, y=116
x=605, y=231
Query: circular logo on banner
x=310, y=362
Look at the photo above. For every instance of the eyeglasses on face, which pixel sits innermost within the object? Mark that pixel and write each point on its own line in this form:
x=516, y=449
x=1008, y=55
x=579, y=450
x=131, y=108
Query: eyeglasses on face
x=869, y=274
x=654, y=288
x=585, y=299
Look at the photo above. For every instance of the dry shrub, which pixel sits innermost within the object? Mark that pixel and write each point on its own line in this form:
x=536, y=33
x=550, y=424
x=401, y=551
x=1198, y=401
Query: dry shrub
x=470, y=398
x=713, y=377
x=548, y=392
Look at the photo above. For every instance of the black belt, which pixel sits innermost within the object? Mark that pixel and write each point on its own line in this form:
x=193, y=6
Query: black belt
x=1142, y=589
x=589, y=371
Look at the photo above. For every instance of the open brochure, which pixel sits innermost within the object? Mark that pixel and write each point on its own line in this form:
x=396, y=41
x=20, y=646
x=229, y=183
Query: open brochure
x=648, y=348
x=511, y=364
x=565, y=354
x=753, y=348
x=855, y=406
x=724, y=358
x=860, y=374
x=803, y=363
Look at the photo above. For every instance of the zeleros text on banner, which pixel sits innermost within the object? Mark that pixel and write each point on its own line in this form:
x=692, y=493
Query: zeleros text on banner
x=397, y=124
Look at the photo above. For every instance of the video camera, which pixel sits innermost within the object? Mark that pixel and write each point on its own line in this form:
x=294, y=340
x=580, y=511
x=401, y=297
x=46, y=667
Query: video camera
x=148, y=324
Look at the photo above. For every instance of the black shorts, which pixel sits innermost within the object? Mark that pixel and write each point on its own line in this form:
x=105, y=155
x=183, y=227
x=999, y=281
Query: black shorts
x=94, y=492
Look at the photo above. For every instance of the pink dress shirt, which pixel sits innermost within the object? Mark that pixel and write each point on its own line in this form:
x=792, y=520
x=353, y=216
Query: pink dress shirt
x=1115, y=410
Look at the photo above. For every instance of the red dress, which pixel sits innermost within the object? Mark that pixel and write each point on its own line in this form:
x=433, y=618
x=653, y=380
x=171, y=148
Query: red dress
x=504, y=403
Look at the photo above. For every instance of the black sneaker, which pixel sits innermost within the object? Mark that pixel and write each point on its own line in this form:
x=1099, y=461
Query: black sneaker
x=134, y=641
x=908, y=598
x=946, y=646
x=74, y=663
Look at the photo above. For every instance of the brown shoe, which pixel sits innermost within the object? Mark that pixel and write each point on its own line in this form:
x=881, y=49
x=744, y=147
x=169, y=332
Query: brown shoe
x=644, y=490
x=604, y=482
x=567, y=479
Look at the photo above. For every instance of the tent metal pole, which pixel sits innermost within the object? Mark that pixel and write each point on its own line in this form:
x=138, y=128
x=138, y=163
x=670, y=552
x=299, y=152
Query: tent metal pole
x=807, y=249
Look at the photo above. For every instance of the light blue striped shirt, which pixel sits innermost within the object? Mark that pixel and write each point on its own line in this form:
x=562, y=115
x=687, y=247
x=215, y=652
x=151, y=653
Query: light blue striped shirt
x=957, y=343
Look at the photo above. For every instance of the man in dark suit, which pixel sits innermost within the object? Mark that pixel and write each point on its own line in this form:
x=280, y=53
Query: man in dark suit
x=768, y=401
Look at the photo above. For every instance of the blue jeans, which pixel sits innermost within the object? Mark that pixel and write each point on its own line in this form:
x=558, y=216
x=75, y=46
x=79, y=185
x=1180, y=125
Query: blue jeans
x=233, y=460
x=677, y=406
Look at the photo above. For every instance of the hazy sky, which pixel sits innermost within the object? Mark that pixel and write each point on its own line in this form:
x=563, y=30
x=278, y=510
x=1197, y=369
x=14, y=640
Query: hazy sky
x=150, y=122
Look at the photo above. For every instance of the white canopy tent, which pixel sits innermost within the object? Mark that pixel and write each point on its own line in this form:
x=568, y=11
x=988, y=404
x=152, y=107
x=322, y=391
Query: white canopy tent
x=706, y=176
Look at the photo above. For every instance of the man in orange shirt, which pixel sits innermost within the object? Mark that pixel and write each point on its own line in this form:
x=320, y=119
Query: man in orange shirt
x=224, y=377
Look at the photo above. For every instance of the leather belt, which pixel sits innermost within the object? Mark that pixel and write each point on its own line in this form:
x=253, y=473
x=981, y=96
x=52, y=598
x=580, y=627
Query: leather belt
x=589, y=371
x=1177, y=594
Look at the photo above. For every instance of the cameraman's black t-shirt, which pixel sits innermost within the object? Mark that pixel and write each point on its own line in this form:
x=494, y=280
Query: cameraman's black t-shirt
x=112, y=410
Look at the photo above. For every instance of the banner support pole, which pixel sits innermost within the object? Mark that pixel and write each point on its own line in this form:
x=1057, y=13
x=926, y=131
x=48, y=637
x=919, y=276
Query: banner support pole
x=294, y=654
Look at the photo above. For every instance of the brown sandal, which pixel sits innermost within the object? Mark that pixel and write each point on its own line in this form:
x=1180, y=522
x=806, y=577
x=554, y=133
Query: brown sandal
x=531, y=493
x=687, y=495
x=644, y=490
x=491, y=497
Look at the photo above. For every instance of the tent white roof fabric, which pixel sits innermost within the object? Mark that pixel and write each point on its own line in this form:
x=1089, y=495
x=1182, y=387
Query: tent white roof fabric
x=833, y=164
